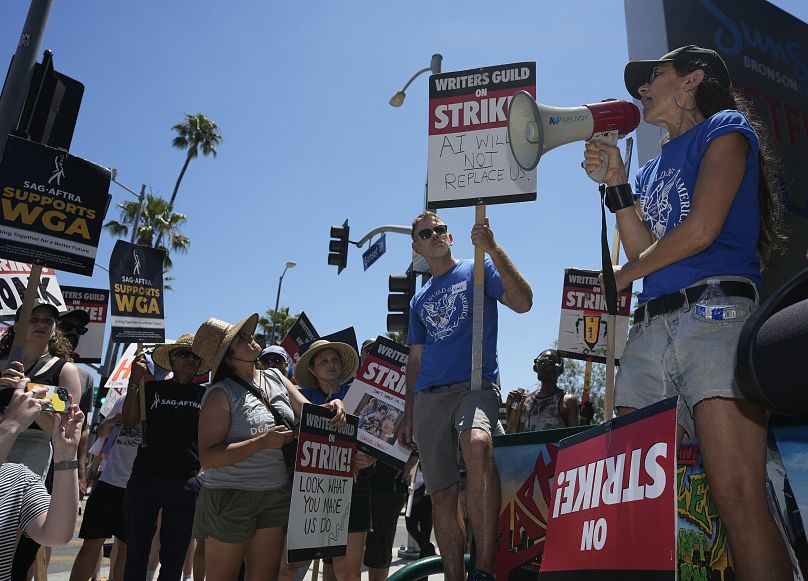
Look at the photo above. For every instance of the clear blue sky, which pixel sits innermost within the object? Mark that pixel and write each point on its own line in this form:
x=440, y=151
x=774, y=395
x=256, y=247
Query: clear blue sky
x=300, y=91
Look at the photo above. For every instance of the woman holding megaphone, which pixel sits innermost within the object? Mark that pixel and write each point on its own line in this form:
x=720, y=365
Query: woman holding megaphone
x=705, y=216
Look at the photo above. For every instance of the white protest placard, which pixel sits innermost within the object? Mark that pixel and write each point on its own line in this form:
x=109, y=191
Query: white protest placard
x=119, y=378
x=583, y=331
x=14, y=281
x=322, y=486
x=470, y=157
x=376, y=396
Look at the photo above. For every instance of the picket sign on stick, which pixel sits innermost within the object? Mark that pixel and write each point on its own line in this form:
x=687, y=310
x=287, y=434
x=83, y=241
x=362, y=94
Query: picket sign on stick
x=21, y=326
x=612, y=320
x=588, y=379
x=479, y=291
x=609, y=403
x=140, y=390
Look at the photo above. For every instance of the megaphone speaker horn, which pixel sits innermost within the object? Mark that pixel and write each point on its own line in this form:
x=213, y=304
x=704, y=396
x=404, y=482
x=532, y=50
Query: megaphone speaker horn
x=525, y=130
x=534, y=128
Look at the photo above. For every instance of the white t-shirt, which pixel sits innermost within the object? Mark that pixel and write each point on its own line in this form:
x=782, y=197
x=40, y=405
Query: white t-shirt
x=23, y=497
x=122, y=452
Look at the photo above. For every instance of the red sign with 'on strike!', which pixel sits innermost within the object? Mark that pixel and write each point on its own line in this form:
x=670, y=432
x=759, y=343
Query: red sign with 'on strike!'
x=613, y=513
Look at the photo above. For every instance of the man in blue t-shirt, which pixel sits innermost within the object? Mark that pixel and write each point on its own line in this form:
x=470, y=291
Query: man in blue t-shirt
x=441, y=408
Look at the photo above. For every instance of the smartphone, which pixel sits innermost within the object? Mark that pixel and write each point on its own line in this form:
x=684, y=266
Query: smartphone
x=56, y=397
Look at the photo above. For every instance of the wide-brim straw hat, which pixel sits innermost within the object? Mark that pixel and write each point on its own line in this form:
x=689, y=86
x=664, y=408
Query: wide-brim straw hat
x=347, y=355
x=162, y=353
x=214, y=336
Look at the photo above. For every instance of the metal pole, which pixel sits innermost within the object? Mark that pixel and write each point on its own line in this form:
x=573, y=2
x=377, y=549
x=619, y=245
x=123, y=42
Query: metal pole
x=22, y=68
x=275, y=312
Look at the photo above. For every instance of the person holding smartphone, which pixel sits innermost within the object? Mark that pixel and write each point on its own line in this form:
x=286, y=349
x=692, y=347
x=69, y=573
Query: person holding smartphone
x=47, y=519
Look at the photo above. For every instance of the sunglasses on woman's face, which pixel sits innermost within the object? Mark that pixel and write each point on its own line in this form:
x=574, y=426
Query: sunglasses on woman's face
x=67, y=326
x=184, y=354
x=426, y=233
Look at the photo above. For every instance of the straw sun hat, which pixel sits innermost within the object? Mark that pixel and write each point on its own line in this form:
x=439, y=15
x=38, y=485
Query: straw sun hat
x=347, y=355
x=162, y=353
x=214, y=336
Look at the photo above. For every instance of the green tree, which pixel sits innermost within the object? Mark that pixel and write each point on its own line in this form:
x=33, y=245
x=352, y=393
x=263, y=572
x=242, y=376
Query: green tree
x=194, y=135
x=283, y=320
x=156, y=220
x=397, y=336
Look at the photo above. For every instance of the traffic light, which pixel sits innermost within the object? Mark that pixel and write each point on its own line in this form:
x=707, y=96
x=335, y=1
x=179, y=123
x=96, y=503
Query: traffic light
x=402, y=289
x=51, y=106
x=338, y=247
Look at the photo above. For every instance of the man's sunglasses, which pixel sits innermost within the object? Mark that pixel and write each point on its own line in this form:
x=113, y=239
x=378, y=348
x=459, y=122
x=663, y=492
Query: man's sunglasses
x=426, y=233
x=185, y=354
x=68, y=326
x=273, y=359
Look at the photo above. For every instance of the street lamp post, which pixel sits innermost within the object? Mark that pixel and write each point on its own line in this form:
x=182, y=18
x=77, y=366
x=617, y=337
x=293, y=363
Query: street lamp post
x=289, y=264
x=434, y=67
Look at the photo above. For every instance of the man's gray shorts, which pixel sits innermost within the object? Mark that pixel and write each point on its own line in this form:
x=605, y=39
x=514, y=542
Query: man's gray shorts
x=442, y=413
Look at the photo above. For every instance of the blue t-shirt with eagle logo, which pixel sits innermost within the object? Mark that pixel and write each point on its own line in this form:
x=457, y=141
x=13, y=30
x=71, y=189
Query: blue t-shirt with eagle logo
x=441, y=321
x=665, y=187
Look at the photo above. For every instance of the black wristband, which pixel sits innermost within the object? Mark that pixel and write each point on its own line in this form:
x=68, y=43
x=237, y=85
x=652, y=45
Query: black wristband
x=619, y=197
x=66, y=465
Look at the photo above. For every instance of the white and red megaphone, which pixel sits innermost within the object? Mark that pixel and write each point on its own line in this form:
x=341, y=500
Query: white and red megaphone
x=534, y=129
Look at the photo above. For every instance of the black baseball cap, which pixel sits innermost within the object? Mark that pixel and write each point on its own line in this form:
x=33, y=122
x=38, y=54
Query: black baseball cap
x=39, y=303
x=698, y=57
x=80, y=316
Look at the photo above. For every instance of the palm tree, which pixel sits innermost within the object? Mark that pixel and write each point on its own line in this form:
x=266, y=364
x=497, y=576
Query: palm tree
x=156, y=219
x=196, y=133
x=283, y=320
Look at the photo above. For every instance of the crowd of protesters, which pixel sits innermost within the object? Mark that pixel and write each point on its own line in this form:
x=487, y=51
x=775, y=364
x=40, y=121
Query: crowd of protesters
x=206, y=463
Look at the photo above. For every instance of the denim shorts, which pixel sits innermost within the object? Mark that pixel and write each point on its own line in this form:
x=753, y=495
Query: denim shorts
x=442, y=413
x=679, y=354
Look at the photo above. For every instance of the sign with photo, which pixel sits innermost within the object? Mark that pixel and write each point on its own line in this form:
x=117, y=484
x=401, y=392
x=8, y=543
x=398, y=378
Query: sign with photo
x=136, y=283
x=92, y=301
x=470, y=157
x=583, y=332
x=376, y=396
x=613, y=511
x=322, y=486
x=52, y=206
x=14, y=281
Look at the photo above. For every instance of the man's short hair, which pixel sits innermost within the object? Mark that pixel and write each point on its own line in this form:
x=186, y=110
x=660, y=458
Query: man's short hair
x=423, y=216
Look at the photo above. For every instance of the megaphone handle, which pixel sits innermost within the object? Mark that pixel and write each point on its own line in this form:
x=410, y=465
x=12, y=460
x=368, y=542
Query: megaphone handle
x=610, y=138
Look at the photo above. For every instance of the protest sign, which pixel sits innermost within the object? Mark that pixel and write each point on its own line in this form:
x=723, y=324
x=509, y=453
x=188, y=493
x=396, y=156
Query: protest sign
x=322, y=486
x=301, y=333
x=14, y=281
x=93, y=301
x=583, y=332
x=702, y=548
x=53, y=206
x=470, y=157
x=376, y=396
x=526, y=465
x=613, y=485
x=118, y=380
x=347, y=336
x=136, y=282
x=787, y=470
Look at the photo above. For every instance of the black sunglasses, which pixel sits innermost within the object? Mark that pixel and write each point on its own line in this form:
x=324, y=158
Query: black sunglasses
x=68, y=326
x=426, y=233
x=276, y=359
x=185, y=354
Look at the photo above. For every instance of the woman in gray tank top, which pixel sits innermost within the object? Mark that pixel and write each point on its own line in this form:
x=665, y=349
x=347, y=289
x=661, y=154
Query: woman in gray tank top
x=243, y=506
